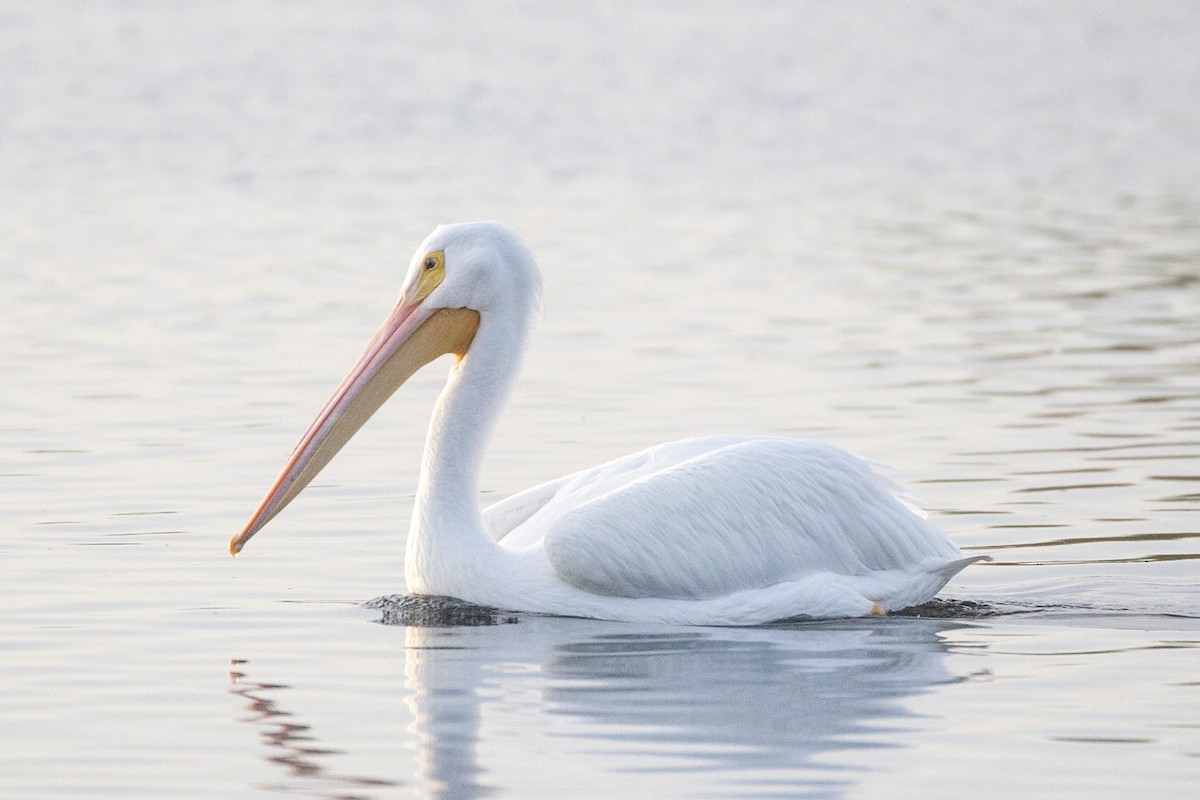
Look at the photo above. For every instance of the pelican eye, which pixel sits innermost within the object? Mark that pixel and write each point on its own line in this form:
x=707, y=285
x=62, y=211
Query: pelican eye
x=433, y=270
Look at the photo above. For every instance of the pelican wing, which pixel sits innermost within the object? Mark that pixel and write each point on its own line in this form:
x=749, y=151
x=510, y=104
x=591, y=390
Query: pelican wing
x=738, y=514
x=523, y=518
x=501, y=518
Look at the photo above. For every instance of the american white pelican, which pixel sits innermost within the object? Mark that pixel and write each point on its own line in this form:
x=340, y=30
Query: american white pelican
x=723, y=530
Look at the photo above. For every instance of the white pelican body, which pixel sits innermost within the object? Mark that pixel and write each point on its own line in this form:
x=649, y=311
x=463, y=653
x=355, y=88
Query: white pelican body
x=722, y=530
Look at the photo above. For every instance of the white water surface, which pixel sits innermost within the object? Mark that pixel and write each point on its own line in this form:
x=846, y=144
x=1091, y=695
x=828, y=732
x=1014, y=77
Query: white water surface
x=959, y=239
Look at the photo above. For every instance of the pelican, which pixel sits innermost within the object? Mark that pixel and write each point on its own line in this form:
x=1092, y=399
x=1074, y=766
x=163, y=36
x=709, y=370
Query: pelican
x=719, y=530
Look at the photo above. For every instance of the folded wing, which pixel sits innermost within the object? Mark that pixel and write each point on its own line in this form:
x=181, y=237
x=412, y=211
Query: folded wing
x=728, y=515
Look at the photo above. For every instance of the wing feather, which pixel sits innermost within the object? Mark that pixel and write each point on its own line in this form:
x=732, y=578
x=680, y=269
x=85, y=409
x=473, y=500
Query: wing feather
x=738, y=514
x=503, y=517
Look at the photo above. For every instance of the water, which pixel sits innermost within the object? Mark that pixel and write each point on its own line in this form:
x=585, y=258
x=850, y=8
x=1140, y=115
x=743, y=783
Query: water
x=961, y=241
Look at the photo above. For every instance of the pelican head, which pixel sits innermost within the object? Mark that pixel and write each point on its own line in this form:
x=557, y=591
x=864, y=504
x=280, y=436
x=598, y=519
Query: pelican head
x=461, y=278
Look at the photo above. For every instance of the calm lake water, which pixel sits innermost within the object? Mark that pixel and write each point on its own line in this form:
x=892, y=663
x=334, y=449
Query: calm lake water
x=960, y=240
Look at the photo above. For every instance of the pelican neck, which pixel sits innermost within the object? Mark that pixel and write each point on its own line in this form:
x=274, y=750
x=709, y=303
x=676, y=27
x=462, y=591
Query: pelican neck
x=447, y=531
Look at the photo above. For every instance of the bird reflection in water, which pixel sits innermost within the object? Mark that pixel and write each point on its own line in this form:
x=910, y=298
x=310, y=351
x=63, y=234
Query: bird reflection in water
x=293, y=746
x=648, y=709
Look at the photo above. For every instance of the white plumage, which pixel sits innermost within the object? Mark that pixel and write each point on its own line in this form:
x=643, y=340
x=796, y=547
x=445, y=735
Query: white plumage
x=716, y=530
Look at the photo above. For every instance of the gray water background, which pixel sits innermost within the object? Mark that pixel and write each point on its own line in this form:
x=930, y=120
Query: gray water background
x=958, y=239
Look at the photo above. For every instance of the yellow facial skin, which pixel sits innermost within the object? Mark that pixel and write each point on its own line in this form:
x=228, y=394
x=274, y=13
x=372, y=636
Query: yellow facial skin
x=433, y=271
